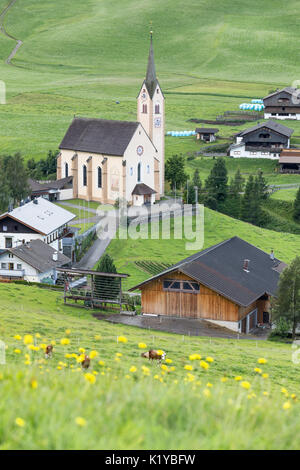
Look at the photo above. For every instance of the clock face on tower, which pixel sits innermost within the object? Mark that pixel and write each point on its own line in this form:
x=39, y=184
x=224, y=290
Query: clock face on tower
x=140, y=150
x=157, y=122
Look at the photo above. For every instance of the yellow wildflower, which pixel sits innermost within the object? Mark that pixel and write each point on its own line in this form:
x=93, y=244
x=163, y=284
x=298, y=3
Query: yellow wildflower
x=118, y=354
x=164, y=367
x=142, y=345
x=188, y=367
x=245, y=385
x=209, y=384
x=194, y=357
x=81, y=350
x=34, y=384
x=207, y=392
x=68, y=332
x=28, y=339
x=122, y=339
x=17, y=351
x=101, y=363
x=169, y=361
x=20, y=422
x=80, y=358
x=64, y=341
x=265, y=376
x=224, y=379
x=262, y=360
x=209, y=359
x=258, y=370
x=97, y=337
x=80, y=421
x=132, y=369
x=18, y=337
x=238, y=378
x=90, y=378
x=287, y=405
x=204, y=365
x=93, y=354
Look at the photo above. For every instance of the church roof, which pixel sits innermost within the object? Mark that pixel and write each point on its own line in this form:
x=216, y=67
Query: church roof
x=99, y=136
x=141, y=189
x=151, y=80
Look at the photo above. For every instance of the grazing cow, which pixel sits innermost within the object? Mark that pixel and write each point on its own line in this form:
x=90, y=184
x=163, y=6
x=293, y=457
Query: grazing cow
x=86, y=362
x=154, y=355
x=48, y=351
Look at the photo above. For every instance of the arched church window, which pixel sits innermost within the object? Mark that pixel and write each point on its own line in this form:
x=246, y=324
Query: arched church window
x=131, y=171
x=84, y=176
x=148, y=169
x=139, y=172
x=157, y=111
x=66, y=170
x=99, y=177
x=145, y=109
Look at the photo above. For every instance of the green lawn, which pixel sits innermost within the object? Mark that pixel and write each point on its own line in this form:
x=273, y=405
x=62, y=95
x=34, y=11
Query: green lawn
x=285, y=194
x=217, y=227
x=147, y=407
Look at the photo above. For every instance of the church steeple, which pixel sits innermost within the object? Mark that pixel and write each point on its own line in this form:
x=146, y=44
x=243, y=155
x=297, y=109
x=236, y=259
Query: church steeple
x=151, y=80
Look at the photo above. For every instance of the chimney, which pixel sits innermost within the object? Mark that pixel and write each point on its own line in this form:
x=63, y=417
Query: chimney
x=55, y=256
x=246, y=265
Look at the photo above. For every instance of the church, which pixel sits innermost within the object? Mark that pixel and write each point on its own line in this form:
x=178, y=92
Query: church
x=110, y=159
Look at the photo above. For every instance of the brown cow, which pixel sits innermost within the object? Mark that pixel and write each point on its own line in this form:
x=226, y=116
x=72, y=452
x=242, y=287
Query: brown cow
x=86, y=362
x=154, y=355
x=48, y=351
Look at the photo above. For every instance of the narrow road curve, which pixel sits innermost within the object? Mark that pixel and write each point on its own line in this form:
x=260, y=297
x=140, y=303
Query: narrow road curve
x=5, y=33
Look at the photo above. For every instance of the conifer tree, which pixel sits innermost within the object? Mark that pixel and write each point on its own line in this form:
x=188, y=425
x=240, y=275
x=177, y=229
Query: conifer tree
x=296, y=208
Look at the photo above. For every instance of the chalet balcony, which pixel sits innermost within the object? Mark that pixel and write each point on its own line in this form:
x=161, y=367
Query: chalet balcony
x=12, y=273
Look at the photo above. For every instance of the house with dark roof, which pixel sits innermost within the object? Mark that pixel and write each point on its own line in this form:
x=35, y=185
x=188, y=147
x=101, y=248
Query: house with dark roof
x=52, y=190
x=229, y=284
x=264, y=140
x=289, y=161
x=208, y=134
x=108, y=158
x=283, y=104
x=34, y=261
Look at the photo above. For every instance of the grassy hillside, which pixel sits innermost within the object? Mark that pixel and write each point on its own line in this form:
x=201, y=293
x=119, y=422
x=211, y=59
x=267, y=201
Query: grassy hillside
x=217, y=227
x=79, y=58
x=51, y=404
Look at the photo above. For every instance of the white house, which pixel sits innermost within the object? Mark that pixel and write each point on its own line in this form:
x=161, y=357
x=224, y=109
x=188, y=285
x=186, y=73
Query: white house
x=34, y=261
x=108, y=158
x=265, y=140
x=39, y=219
x=283, y=104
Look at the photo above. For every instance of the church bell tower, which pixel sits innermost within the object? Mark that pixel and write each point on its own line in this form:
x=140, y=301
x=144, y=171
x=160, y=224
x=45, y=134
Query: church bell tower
x=151, y=113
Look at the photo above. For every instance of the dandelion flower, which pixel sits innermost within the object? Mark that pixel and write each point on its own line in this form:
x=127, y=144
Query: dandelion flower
x=204, y=365
x=118, y=354
x=194, y=357
x=68, y=332
x=169, y=361
x=265, y=376
x=18, y=337
x=132, y=369
x=37, y=335
x=258, y=370
x=209, y=384
x=34, y=384
x=80, y=421
x=287, y=405
x=245, y=385
x=122, y=339
x=93, y=354
x=262, y=360
x=28, y=339
x=224, y=379
x=207, y=392
x=64, y=341
x=209, y=359
x=20, y=422
x=142, y=345
x=90, y=378
x=188, y=367
x=101, y=363
x=17, y=351
x=81, y=350
x=238, y=378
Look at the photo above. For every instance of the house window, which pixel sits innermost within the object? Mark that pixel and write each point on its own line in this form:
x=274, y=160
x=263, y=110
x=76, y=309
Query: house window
x=139, y=172
x=157, y=110
x=11, y=266
x=66, y=170
x=8, y=242
x=99, y=177
x=84, y=178
x=19, y=266
x=148, y=169
x=3, y=266
x=264, y=136
x=181, y=286
x=131, y=171
x=144, y=109
x=4, y=228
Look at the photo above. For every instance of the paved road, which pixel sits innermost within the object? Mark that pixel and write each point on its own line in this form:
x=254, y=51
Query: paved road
x=182, y=326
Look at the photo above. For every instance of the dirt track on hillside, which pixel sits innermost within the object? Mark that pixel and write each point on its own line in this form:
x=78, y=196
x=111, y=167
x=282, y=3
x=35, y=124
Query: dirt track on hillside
x=5, y=33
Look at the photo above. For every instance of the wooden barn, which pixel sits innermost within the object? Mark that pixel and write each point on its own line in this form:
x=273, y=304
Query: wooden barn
x=289, y=161
x=229, y=284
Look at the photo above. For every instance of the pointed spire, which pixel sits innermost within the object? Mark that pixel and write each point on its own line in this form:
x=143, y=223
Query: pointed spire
x=151, y=80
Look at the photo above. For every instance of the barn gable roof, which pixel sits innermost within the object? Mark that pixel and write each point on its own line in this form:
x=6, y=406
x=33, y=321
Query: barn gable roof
x=220, y=268
x=272, y=125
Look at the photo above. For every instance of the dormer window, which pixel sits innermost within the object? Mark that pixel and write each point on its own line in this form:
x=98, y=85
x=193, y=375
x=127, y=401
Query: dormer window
x=144, y=109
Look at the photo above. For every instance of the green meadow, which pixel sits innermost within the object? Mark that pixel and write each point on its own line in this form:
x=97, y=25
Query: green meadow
x=53, y=404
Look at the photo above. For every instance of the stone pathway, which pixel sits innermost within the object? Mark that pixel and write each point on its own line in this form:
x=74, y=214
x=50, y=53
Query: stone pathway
x=3, y=31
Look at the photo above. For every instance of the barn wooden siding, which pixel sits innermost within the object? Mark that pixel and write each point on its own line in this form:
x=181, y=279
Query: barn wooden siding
x=206, y=304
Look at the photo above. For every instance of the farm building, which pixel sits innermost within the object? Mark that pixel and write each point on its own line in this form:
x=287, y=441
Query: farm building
x=52, y=190
x=206, y=133
x=108, y=158
x=229, y=284
x=289, y=161
x=34, y=261
x=283, y=104
x=39, y=219
x=264, y=140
